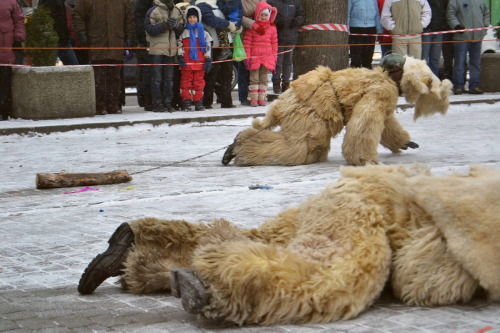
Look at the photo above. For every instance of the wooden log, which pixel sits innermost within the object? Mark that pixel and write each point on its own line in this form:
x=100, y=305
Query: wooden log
x=57, y=180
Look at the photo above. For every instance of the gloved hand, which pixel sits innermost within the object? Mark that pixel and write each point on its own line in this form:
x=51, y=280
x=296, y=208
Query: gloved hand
x=294, y=23
x=410, y=144
x=260, y=30
x=173, y=23
x=130, y=42
x=82, y=39
x=232, y=26
x=181, y=60
x=208, y=65
x=247, y=62
x=459, y=27
x=239, y=29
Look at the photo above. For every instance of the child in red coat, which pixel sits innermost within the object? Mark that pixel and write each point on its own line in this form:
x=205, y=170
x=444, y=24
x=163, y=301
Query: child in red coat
x=262, y=52
x=194, y=58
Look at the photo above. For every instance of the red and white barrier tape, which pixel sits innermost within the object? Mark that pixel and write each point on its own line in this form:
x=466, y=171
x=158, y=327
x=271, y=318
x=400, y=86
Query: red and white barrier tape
x=345, y=28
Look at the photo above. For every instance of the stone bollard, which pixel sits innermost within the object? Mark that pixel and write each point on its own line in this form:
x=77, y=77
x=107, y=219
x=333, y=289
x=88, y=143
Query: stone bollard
x=53, y=92
x=490, y=69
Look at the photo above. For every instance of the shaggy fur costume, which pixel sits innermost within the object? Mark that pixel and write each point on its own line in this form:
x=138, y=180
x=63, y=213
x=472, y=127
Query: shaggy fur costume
x=321, y=102
x=330, y=257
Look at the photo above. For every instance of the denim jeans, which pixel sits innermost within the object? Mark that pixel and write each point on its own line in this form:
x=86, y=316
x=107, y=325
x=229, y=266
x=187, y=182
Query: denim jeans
x=431, y=51
x=284, y=65
x=67, y=55
x=162, y=78
x=243, y=82
x=459, y=58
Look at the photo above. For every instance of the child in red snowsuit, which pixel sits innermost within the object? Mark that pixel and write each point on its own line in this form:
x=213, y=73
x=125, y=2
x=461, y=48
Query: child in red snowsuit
x=194, y=58
x=262, y=52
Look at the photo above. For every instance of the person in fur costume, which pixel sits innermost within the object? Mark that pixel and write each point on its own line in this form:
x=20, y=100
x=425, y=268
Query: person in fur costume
x=321, y=102
x=328, y=258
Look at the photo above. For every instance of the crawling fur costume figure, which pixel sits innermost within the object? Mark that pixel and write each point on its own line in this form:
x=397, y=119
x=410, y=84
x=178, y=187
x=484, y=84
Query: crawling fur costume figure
x=321, y=102
x=435, y=239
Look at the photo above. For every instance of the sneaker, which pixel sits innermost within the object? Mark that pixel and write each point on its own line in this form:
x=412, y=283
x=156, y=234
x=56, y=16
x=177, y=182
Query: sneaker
x=109, y=263
x=261, y=103
x=458, y=91
x=186, y=105
x=198, y=106
x=476, y=91
x=254, y=103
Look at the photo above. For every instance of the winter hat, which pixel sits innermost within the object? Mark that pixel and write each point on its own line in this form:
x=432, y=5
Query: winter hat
x=393, y=61
x=193, y=11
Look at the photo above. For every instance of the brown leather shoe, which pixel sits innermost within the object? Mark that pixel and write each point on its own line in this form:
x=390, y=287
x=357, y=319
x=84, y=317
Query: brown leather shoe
x=108, y=263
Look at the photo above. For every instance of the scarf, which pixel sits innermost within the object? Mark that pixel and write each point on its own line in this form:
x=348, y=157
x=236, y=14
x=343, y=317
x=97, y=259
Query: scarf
x=193, y=49
x=264, y=24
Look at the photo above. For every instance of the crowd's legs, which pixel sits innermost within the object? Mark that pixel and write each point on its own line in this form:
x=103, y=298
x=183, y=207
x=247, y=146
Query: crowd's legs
x=284, y=69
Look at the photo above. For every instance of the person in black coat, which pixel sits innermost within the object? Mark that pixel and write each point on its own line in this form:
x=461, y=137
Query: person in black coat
x=143, y=82
x=57, y=10
x=291, y=15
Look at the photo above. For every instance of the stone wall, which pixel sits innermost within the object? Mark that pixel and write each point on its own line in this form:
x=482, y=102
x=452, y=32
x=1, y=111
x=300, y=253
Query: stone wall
x=53, y=92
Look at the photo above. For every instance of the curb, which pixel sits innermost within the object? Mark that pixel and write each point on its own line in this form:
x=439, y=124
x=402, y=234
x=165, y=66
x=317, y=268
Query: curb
x=175, y=121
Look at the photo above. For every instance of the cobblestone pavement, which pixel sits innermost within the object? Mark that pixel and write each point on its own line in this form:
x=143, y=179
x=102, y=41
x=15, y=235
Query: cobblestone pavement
x=48, y=237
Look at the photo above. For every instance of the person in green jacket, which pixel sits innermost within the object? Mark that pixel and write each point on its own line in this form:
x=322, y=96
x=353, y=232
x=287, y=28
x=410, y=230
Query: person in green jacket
x=466, y=14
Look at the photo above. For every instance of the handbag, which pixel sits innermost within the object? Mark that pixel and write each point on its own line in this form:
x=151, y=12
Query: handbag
x=238, y=52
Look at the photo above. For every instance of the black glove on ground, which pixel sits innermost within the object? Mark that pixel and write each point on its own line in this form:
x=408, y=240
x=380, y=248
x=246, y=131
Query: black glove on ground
x=410, y=144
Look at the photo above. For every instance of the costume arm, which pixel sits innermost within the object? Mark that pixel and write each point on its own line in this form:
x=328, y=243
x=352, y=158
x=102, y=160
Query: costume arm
x=425, y=17
x=386, y=17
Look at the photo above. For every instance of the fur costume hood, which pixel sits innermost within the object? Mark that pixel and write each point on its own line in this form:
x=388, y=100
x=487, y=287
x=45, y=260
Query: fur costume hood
x=422, y=87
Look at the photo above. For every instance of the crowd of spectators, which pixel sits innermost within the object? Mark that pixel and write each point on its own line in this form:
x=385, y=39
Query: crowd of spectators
x=189, y=44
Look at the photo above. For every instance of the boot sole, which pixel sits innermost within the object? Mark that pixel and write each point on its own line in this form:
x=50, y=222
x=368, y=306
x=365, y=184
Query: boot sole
x=108, y=263
x=186, y=286
x=228, y=155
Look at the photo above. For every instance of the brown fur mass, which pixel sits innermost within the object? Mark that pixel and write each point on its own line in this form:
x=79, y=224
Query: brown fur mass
x=330, y=257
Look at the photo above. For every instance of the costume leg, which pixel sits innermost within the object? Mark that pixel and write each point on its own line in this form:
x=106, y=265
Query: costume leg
x=159, y=246
x=314, y=278
x=364, y=130
x=267, y=147
x=426, y=273
x=394, y=137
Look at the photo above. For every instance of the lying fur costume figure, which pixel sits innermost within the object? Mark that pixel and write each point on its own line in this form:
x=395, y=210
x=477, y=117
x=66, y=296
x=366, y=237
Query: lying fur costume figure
x=321, y=102
x=435, y=239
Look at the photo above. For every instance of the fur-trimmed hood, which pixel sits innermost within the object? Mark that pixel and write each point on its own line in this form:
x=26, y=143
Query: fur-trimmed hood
x=420, y=86
x=185, y=13
x=264, y=5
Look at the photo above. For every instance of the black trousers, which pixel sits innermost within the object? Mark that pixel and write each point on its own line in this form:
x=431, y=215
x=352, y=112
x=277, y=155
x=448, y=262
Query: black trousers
x=226, y=75
x=5, y=91
x=362, y=55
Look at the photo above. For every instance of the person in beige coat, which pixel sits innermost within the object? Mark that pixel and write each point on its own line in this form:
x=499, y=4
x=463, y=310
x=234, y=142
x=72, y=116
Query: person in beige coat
x=106, y=27
x=328, y=258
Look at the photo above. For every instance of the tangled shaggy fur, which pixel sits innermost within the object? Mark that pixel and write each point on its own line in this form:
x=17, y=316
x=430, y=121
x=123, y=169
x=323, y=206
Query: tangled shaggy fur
x=330, y=257
x=300, y=124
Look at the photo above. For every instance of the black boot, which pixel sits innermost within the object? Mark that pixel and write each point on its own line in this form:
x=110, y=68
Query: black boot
x=229, y=155
x=186, y=105
x=198, y=106
x=276, y=88
x=284, y=86
x=108, y=263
